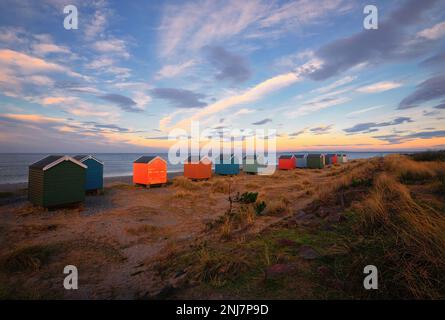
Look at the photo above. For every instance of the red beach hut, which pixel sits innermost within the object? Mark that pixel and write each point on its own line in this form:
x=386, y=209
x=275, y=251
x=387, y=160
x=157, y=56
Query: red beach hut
x=149, y=170
x=197, y=168
x=286, y=162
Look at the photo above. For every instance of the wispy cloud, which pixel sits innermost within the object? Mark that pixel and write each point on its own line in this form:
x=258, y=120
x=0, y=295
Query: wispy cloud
x=429, y=89
x=372, y=126
x=379, y=87
x=354, y=113
x=125, y=103
x=173, y=70
x=264, y=121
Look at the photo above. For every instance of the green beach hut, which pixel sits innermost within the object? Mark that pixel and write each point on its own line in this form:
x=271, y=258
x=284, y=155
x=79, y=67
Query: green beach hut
x=316, y=161
x=56, y=180
x=253, y=164
x=342, y=158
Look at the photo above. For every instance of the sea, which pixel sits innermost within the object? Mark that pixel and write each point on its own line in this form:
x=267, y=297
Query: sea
x=14, y=166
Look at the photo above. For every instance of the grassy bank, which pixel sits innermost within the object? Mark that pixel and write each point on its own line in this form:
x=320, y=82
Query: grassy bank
x=385, y=212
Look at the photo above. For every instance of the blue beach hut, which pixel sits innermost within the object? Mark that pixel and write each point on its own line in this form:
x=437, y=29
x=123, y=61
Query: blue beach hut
x=227, y=165
x=95, y=172
x=301, y=160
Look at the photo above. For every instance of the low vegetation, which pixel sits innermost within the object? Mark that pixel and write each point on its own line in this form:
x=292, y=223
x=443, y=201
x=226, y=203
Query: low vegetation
x=376, y=212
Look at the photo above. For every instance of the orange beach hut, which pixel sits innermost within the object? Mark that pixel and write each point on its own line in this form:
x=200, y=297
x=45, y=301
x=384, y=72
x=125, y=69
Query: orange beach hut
x=197, y=168
x=286, y=162
x=149, y=170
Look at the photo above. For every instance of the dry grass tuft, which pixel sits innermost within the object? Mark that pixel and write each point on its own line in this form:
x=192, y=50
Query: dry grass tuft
x=181, y=194
x=407, y=170
x=411, y=237
x=220, y=186
x=184, y=183
x=278, y=206
x=218, y=267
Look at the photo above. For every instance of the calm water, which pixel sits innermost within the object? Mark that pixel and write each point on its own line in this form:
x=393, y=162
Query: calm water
x=14, y=166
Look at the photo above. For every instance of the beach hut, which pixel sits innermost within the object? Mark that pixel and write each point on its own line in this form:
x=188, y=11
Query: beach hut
x=95, y=172
x=342, y=158
x=198, y=168
x=149, y=170
x=331, y=158
x=301, y=160
x=316, y=161
x=286, y=162
x=56, y=180
x=227, y=165
x=252, y=164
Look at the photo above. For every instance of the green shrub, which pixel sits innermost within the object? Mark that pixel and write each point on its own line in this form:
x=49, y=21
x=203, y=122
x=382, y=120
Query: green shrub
x=248, y=197
x=260, y=207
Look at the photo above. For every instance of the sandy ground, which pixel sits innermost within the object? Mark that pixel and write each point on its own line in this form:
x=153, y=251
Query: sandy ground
x=114, y=237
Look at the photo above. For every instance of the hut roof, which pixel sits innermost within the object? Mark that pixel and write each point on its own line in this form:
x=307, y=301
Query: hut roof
x=286, y=156
x=83, y=157
x=53, y=160
x=147, y=159
x=314, y=155
x=196, y=159
x=300, y=156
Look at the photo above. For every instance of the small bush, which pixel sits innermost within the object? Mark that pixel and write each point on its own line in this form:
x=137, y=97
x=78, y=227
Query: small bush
x=248, y=197
x=260, y=207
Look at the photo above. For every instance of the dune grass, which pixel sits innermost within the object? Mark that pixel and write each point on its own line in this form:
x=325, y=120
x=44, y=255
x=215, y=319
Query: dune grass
x=384, y=225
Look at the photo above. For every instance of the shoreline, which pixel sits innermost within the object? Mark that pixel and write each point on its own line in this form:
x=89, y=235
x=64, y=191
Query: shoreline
x=14, y=187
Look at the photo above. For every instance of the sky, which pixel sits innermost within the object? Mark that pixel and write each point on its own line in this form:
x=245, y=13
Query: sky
x=133, y=71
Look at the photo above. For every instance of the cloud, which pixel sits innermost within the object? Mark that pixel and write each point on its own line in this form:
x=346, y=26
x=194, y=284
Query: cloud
x=243, y=111
x=31, y=118
x=190, y=26
x=321, y=130
x=98, y=22
x=43, y=49
x=26, y=64
x=173, y=70
x=113, y=46
x=379, y=87
x=264, y=121
x=435, y=32
x=440, y=106
x=55, y=100
x=297, y=133
x=371, y=126
x=353, y=113
x=74, y=86
x=373, y=46
x=260, y=90
x=180, y=98
x=429, y=89
x=125, y=103
x=230, y=66
x=336, y=84
x=318, y=104
x=396, y=139
x=111, y=127
x=435, y=62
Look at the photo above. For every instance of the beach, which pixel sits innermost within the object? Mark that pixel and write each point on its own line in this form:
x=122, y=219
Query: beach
x=197, y=239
